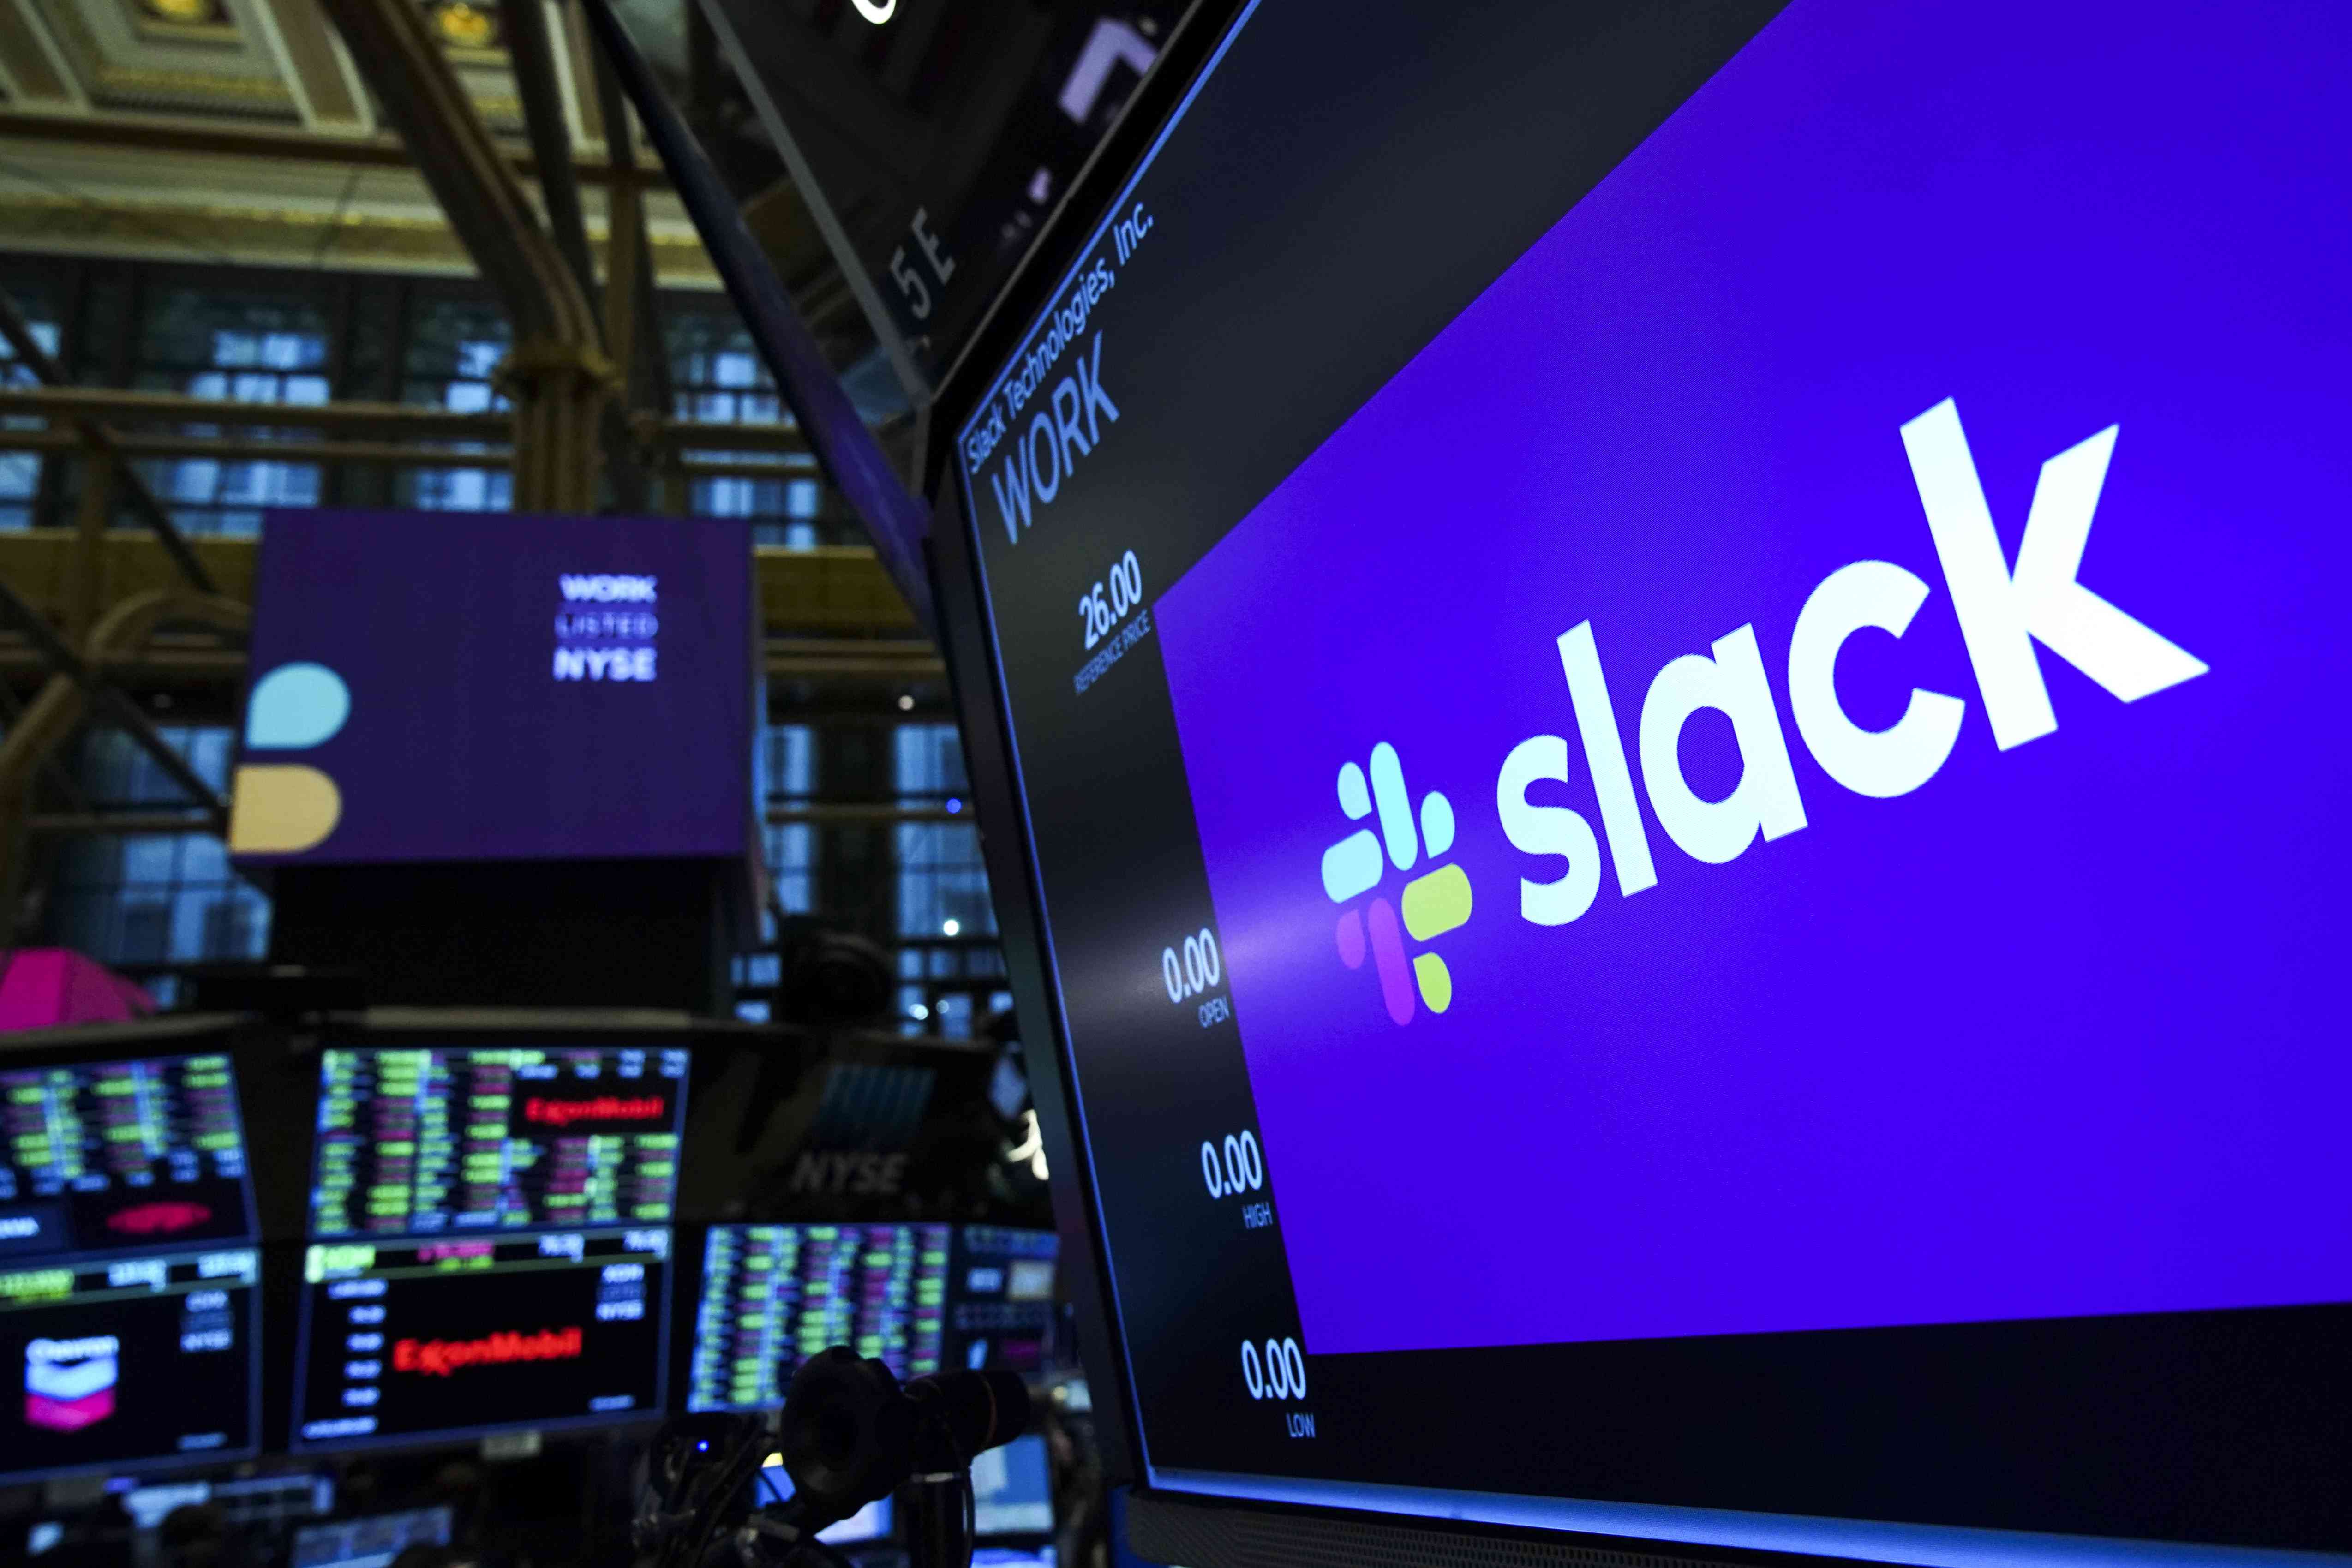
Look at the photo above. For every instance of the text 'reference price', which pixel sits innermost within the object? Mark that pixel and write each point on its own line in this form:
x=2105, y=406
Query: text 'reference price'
x=1191, y=967
x=1101, y=612
x=1235, y=1167
x=1278, y=1370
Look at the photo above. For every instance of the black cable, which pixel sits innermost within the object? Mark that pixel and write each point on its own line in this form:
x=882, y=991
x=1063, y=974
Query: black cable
x=824, y=1551
x=735, y=1473
x=970, y=1519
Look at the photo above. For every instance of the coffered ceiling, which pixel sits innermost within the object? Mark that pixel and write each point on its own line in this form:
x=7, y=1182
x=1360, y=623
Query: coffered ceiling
x=239, y=130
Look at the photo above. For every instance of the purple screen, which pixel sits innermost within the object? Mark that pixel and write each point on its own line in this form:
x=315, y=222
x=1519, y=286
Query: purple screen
x=1988, y=970
x=497, y=687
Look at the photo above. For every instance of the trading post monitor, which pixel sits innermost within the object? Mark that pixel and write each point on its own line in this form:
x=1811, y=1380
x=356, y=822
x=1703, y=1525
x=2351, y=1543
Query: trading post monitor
x=1656, y=686
x=129, y=1270
x=376, y=1541
x=774, y=1295
x=490, y=1239
x=1013, y=1489
x=920, y=1298
x=1001, y=1303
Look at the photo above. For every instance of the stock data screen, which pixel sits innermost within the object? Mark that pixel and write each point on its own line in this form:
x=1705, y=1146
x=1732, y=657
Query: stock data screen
x=1001, y=1306
x=773, y=1295
x=115, y=1154
x=128, y=1279
x=127, y=1362
x=419, y=1339
x=918, y=1297
x=428, y=1142
x=490, y=1242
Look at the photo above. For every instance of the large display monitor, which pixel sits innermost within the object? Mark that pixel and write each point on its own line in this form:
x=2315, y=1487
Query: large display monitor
x=1656, y=681
x=490, y=1239
x=920, y=1298
x=496, y=687
x=129, y=1268
x=1013, y=1489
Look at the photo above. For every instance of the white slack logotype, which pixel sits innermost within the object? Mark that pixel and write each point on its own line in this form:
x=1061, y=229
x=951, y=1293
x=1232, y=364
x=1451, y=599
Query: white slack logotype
x=2003, y=612
x=874, y=12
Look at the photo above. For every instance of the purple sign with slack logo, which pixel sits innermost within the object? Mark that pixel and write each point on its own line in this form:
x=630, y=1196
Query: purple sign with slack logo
x=1787, y=771
x=436, y=686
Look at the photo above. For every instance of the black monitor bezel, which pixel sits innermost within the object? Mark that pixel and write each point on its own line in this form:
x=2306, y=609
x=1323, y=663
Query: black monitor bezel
x=1187, y=1525
x=287, y=1295
x=152, y=1040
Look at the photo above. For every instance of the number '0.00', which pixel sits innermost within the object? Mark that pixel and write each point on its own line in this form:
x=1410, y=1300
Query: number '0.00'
x=1197, y=969
x=1279, y=1372
x=1237, y=1168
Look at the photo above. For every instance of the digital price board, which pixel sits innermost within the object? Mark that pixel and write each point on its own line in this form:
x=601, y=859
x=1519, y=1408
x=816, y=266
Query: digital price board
x=128, y=1277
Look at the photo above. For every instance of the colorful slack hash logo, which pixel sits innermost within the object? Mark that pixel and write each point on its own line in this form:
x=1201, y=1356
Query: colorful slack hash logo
x=284, y=808
x=1434, y=903
x=70, y=1384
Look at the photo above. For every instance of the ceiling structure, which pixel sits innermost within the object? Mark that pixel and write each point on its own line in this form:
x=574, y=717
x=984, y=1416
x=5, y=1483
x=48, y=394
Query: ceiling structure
x=239, y=131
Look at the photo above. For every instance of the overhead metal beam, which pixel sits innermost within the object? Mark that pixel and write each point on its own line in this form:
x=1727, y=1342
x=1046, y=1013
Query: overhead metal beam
x=556, y=374
x=633, y=334
x=110, y=701
x=34, y=358
x=68, y=786
x=785, y=658
x=117, y=824
x=382, y=454
x=394, y=421
x=532, y=55
x=159, y=134
x=895, y=520
x=453, y=150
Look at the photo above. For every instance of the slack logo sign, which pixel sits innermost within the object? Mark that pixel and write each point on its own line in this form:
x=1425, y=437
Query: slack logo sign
x=2004, y=610
x=282, y=807
x=1434, y=902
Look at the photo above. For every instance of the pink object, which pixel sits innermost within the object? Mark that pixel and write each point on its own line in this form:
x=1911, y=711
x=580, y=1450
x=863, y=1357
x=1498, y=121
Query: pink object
x=158, y=1218
x=69, y=1414
x=1351, y=940
x=1388, y=957
x=43, y=987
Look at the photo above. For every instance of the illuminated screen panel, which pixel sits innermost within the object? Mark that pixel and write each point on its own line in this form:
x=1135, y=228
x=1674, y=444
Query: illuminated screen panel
x=773, y=1295
x=448, y=1140
x=498, y=687
x=129, y=1303
x=1001, y=1307
x=127, y=1362
x=372, y=1542
x=429, y=1338
x=490, y=1241
x=920, y=1298
x=1680, y=757
x=1013, y=1489
x=97, y=1157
